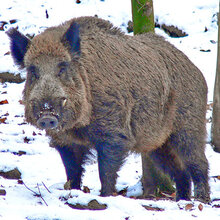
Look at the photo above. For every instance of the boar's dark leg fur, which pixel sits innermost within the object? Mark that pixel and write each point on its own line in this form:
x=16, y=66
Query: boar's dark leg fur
x=109, y=161
x=111, y=150
x=183, y=164
x=169, y=161
x=200, y=178
x=73, y=158
x=195, y=160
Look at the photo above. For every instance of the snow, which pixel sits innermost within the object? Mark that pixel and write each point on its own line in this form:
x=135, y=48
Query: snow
x=41, y=166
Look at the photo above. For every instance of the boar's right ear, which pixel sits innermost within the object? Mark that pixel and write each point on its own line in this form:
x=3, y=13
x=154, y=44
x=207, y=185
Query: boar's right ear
x=71, y=39
x=19, y=46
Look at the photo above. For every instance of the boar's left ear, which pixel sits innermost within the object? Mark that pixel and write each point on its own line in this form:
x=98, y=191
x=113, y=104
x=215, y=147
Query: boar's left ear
x=71, y=39
x=19, y=46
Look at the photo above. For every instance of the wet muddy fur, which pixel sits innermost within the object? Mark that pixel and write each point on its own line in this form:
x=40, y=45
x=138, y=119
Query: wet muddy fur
x=90, y=86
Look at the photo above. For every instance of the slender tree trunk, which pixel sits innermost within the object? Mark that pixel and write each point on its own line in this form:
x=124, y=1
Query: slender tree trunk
x=216, y=99
x=143, y=16
x=153, y=180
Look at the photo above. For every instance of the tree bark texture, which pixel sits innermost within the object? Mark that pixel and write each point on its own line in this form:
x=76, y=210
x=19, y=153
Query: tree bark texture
x=143, y=16
x=216, y=100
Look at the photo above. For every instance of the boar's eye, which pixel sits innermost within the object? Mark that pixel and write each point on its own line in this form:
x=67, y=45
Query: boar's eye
x=33, y=73
x=62, y=68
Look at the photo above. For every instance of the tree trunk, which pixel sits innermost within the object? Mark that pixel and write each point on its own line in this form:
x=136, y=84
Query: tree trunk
x=143, y=16
x=153, y=180
x=216, y=100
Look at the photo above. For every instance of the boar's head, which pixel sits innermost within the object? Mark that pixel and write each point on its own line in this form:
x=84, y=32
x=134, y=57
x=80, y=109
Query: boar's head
x=55, y=93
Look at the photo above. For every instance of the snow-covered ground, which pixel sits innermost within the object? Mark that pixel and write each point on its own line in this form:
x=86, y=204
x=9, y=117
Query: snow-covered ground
x=41, y=167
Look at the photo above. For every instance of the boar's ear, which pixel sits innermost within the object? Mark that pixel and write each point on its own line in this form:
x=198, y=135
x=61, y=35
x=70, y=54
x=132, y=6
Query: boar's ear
x=19, y=46
x=71, y=39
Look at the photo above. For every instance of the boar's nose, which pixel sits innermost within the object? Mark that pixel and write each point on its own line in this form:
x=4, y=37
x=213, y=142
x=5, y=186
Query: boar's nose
x=47, y=122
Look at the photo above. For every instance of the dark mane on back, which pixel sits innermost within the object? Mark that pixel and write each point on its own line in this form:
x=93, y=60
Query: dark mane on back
x=92, y=23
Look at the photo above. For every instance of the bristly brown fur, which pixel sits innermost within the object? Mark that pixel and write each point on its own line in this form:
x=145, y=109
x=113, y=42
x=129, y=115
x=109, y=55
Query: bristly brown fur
x=121, y=94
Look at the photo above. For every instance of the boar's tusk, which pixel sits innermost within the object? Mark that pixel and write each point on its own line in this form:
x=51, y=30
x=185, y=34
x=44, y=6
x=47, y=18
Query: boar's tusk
x=64, y=102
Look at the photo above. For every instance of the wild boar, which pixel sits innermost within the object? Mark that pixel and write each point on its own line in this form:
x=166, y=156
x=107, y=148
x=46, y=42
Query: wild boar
x=91, y=86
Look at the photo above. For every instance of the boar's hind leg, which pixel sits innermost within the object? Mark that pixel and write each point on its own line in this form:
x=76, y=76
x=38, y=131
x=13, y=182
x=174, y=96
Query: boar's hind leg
x=191, y=150
x=73, y=158
x=153, y=179
x=110, y=158
x=198, y=169
x=170, y=163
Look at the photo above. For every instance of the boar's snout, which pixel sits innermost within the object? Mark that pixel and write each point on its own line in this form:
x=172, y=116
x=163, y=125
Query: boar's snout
x=47, y=122
x=46, y=112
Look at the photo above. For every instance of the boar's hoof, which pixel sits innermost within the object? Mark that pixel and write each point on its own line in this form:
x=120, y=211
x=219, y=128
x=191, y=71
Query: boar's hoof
x=47, y=122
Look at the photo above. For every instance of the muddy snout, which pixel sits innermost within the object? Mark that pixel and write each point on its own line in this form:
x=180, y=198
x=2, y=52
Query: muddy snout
x=47, y=121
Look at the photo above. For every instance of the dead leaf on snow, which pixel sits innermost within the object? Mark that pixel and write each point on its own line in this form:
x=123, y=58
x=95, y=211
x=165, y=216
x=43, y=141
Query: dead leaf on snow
x=86, y=189
x=2, y=192
x=151, y=208
x=20, y=182
x=170, y=196
x=21, y=102
x=2, y=120
x=4, y=102
x=123, y=192
x=92, y=205
x=200, y=207
x=26, y=140
x=189, y=207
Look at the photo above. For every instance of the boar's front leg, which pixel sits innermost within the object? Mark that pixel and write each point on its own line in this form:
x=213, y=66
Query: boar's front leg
x=111, y=156
x=73, y=158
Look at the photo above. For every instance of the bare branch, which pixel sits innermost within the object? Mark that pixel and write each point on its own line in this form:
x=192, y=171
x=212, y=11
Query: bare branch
x=41, y=195
x=35, y=193
x=46, y=187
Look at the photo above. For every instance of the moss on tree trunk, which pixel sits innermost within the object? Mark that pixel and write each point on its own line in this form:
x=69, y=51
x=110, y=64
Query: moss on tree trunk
x=143, y=16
